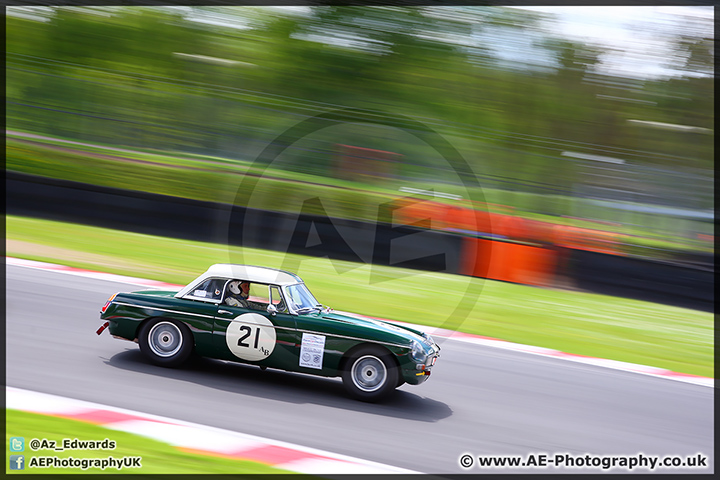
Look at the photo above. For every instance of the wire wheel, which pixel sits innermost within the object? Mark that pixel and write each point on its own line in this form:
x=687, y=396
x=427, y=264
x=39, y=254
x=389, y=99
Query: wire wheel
x=369, y=373
x=165, y=342
x=165, y=339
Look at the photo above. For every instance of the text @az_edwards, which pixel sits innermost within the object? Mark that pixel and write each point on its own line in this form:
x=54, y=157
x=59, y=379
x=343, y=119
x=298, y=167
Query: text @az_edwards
x=37, y=444
x=586, y=461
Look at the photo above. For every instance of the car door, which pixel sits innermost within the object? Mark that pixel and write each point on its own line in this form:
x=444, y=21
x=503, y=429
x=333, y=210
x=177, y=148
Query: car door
x=323, y=341
x=254, y=335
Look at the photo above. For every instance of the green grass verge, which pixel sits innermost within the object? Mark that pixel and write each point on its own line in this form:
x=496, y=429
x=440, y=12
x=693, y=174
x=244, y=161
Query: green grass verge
x=156, y=457
x=583, y=323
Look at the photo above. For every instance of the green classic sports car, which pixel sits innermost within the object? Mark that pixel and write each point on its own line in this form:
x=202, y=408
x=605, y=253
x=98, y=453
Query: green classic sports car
x=268, y=317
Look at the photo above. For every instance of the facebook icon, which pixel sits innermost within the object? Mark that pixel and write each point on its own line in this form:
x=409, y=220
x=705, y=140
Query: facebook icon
x=17, y=462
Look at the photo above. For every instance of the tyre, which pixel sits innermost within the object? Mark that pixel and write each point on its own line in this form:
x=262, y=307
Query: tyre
x=167, y=343
x=370, y=374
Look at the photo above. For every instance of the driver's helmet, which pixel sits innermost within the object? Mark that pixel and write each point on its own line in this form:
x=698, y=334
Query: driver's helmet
x=234, y=286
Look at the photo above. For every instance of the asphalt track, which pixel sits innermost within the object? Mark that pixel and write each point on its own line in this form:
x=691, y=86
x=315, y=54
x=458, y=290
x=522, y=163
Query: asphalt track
x=479, y=400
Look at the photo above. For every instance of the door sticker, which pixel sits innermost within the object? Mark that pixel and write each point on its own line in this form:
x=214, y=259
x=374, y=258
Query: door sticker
x=311, y=350
x=251, y=337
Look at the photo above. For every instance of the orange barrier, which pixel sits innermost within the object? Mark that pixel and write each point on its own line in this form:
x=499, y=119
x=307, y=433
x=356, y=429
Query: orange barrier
x=440, y=216
x=421, y=213
x=509, y=262
x=587, y=239
x=506, y=261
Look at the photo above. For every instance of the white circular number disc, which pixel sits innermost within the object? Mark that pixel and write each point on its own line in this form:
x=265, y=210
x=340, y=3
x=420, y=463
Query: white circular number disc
x=251, y=336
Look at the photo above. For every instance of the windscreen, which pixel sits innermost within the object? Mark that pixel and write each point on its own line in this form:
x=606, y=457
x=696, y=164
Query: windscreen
x=301, y=297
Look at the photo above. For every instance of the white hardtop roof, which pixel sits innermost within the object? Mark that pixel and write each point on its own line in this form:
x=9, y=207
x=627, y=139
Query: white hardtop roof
x=250, y=273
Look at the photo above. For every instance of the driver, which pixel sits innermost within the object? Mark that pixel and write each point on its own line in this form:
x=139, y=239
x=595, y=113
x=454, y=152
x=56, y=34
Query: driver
x=238, y=292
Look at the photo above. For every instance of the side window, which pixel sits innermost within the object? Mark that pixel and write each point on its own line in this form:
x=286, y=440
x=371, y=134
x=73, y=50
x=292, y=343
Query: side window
x=277, y=299
x=217, y=285
x=258, y=292
x=258, y=296
x=210, y=289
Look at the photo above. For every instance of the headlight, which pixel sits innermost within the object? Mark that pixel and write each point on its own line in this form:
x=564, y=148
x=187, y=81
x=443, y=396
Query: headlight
x=418, y=352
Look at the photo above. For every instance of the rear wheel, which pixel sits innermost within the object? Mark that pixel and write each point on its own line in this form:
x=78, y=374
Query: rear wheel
x=166, y=342
x=370, y=374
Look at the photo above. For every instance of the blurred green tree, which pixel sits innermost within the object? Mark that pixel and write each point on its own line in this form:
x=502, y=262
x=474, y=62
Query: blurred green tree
x=115, y=75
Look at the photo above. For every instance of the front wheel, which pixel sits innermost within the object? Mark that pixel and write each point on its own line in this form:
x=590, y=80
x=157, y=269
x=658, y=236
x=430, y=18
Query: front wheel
x=370, y=374
x=166, y=342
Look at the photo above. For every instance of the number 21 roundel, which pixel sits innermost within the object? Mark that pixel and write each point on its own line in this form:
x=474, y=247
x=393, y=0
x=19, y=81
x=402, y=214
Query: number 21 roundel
x=251, y=337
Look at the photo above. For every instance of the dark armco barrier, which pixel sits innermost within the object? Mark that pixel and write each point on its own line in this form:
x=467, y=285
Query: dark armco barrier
x=654, y=281
x=140, y=212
